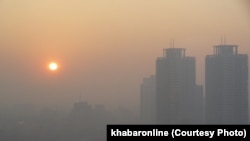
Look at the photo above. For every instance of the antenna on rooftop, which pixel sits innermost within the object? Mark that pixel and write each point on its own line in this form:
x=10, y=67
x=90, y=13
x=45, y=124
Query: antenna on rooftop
x=171, y=43
x=225, y=39
x=221, y=40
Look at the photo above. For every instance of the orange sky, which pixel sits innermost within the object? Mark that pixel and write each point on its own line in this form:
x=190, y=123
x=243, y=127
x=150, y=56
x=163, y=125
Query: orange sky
x=105, y=48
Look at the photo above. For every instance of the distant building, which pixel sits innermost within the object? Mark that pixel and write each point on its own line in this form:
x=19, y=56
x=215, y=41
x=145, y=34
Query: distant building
x=198, y=105
x=176, y=88
x=82, y=112
x=226, y=86
x=147, y=97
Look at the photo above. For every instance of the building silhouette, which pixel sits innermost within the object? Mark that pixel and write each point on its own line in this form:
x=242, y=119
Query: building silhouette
x=147, y=103
x=176, y=88
x=198, y=105
x=226, y=86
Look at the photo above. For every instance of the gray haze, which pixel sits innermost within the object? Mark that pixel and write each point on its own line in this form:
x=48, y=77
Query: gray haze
x=104, y=49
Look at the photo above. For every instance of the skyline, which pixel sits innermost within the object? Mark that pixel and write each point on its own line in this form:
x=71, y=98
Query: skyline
x=103, y=53
x=171, y=96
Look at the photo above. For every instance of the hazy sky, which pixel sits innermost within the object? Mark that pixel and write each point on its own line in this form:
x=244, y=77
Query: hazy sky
x=105, y=48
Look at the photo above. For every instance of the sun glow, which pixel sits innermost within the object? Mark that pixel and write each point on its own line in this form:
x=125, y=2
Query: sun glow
x=53, y=66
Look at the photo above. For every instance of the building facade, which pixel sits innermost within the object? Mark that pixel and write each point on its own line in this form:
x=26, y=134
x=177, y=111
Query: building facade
x=147, y=97
x=226, y=79
x=176, y=88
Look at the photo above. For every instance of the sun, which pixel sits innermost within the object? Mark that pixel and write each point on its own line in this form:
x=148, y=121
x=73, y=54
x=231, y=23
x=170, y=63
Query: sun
x=53, y=66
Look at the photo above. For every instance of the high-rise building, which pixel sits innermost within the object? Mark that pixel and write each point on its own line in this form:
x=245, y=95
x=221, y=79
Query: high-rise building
x=175, y=88
x=226, y=86
x=147, y=105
